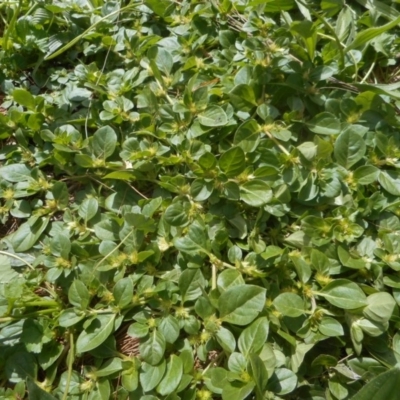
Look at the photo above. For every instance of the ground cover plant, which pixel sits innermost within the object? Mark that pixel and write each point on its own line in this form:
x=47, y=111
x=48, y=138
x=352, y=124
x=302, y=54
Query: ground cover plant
x=199, y=199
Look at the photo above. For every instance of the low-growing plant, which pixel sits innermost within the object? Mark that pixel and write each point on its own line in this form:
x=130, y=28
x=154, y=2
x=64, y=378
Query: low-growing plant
x=199, y=200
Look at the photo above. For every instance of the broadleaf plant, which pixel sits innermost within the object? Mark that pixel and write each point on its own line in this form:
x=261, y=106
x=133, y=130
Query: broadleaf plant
x=199, y=199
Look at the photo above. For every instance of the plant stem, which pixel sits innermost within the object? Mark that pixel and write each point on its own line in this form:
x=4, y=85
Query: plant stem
x=112, y=251
x=371, y=68
x=277, y=143
x=136, y=190
x=214, y=277
x=41, y=303
x=11, y=25
x=24, y=316
x=70, y=359
x=228, y=265
x=6, y=253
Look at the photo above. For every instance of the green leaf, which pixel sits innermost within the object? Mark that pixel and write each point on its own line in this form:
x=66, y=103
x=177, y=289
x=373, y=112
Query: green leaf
x=78, y=295
x=88, y=209
x=24, y=98
x=158, y=6
x=201, y=190
x=69, y=317
x=108, y=229
x=104, y=142
x=390, y=181
x=28, y=233
x=169, y=327
x=271, y=252
x=151, y=375
x=303, y=269
x=35, y=392
x=84, y=160
x=365, y=36
x=140, y=222
x=15, y=173
x=61, y=245
x=50, y=353
x=194, y=241
x=330, y=327
x=384, y=386
x=255, y=193
x=177, y=214
x=226, y=339
x=188, y=176
x=226, y=38
x=60, y=194
x=331, y=7
x=258, y=372
x=346, y=259
x=7, y=274
x=338, y=388
x=247, y=136
x=138, y=330
x=172, y=377
x=380, y=307
x=237, y=363
x=96, y=333
x=77, y=38
x=122, y=175
x=372, y=328
x=233, y=161
x=349, y=148
x=32, y=335
x=130, y=379
x=123, y=292
x=289, y=304
x=282, y=382
x=240, y=305
x=229, y=278
x=191, y=282
x=207, y=161
x=187, y=360
x=366, y=174
x=307, y=30
x=35, y=121
x=153, y=349
x=253, y=337
x=325, y=124
x=326, y=360
x=213, y=116
x=237, y=390
x=111, y=366
x=20, y=366
x=344, y=294
x=385, y=9
x=274, y=5
x=389, y=89
x=243, y=98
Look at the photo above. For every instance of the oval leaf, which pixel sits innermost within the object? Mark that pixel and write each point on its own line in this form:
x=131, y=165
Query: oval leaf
x=233, y=161
x=349, y=149
x=172, y=377
x=153, y=349
x=96, y=333
x=255, y=193
x=240, y=305
x=289, y=304
x=344, y=294
x=213, y=116
x=384, y=386
x=253, y=338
